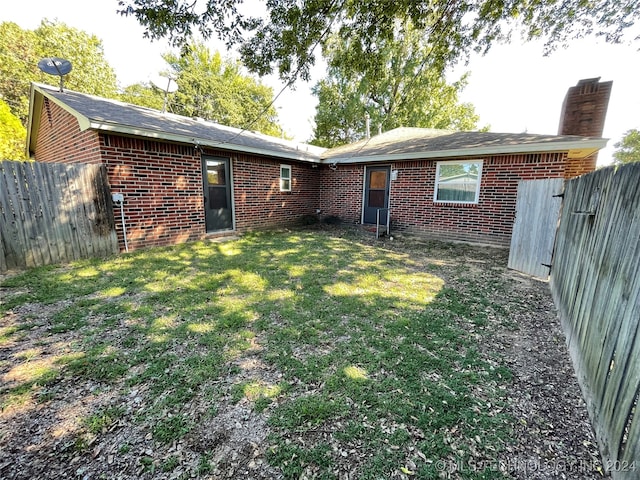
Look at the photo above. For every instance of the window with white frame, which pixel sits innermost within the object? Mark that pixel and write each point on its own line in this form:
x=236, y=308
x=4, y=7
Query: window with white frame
x=285, y=178
x=458, y=181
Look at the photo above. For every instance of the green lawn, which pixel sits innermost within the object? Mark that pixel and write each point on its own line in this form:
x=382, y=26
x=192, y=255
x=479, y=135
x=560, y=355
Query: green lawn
x=361, y=357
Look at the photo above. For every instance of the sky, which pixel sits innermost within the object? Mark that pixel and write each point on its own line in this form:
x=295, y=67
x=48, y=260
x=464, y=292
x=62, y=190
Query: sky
x=514, y=88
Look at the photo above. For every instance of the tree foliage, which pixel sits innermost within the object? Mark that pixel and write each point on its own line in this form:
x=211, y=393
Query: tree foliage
x=285, y=36
x=19, y=55
x=400, y=86
x=12, y=135
x=628, y=149
x=20, y=51
x=91, y=72
x=216, y=89
x=144, y=95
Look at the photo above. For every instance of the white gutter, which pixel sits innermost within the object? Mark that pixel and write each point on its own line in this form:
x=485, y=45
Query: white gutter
x=172, y=137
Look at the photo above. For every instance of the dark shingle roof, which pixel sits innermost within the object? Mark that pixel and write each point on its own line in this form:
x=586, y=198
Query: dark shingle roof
x=401, y=143
x=430, y=143
x=112, y=115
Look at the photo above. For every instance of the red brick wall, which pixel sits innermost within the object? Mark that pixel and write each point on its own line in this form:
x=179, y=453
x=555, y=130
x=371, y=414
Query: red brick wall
x=162, y=187
x=580, y=166
x=341, y=192
x=413, y=208
x=164, y=202
x=162, y=182
x=60, y=139
x=259, y=203
x=584, y=111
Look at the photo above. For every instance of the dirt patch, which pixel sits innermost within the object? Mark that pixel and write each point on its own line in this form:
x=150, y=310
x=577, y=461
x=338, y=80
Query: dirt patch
x=553, y=434
x=236, y=440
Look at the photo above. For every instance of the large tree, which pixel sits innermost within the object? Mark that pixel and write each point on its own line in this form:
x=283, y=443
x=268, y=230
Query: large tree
x=628, y=149
x=400, y=86
x=285, y=36
x=21, y=49
x=215, y=88
x=91, y=72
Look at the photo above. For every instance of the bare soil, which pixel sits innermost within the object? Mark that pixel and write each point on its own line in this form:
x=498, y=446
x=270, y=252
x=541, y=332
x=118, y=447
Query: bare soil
x=553, y=434
x=45, y=439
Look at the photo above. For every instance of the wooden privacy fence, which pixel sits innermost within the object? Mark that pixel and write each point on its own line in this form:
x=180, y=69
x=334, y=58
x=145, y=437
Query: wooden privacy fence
x=595, y=282
x=52, y=213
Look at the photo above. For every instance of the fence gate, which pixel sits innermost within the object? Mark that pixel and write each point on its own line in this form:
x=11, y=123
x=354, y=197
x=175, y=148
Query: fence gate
x=534, y=230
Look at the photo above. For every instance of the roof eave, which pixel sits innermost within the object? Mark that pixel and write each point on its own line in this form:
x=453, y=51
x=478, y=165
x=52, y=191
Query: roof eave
x=590, y=145
x=83, y=121
x=172, y=137
x=30, y=121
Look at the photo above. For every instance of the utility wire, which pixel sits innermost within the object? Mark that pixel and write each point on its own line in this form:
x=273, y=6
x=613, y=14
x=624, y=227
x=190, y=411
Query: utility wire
x=288, y=84
x=407, y=88
x=428, y=56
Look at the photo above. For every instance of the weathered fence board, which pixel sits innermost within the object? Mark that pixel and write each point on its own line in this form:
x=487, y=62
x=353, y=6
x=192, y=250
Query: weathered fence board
x=52, y=213
x=595, y=281
x=534, y=229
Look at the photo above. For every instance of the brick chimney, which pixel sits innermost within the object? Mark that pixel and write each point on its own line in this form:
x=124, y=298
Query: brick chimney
x=583, y=113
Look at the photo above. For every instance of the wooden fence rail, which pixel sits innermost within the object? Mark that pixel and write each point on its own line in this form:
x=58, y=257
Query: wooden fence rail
x=595, y=282
x=53, y=213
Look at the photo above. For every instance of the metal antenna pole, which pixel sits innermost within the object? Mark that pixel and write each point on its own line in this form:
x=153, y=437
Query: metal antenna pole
x=61, y=76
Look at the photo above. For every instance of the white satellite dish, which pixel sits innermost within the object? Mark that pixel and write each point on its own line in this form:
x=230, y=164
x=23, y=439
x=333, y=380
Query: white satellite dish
x=170, y=87
x=166, y=84
x=55, y=66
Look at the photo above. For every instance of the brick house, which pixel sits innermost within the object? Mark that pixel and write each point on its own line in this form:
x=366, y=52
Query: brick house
x=184, y=179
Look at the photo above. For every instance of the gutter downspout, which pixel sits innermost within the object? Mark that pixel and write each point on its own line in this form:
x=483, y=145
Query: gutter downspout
x=118, y=198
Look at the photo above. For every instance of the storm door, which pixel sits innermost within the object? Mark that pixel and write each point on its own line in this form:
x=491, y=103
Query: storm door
x=376, y=193
x=217, y=193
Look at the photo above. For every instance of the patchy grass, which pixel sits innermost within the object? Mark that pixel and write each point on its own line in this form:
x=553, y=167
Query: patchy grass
x=372, y=356
x=102, y=420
